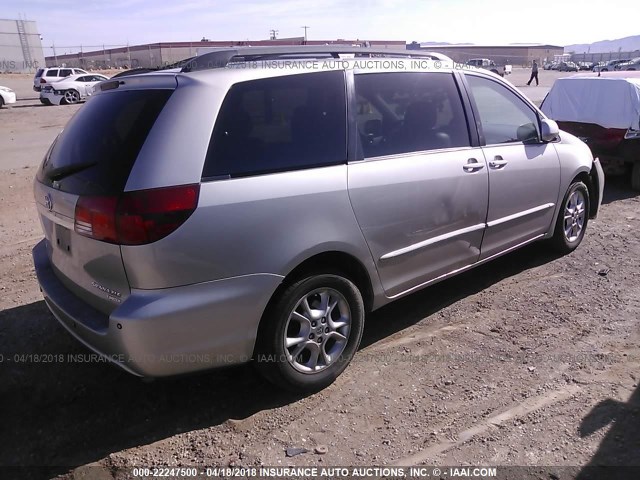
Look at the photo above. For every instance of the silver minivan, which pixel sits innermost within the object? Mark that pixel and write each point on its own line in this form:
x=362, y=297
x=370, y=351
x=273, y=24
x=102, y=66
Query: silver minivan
x=255, y=204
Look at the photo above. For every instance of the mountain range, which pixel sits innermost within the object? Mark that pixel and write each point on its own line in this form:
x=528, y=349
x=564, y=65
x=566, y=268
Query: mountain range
x=626, y=44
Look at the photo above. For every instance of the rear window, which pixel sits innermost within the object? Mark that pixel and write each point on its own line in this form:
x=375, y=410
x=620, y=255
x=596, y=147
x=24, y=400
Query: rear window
x=97, y=149
x=39, y=72
x=278, y=124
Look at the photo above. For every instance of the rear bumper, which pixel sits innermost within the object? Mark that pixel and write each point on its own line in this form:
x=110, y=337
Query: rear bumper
x=156, y=333
x=51, y=98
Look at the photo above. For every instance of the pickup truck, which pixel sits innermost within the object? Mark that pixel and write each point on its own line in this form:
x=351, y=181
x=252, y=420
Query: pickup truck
x=490, y=65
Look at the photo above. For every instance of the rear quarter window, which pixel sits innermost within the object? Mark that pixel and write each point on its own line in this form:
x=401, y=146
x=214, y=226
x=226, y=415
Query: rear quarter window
x=98, y=148
x=278, y=124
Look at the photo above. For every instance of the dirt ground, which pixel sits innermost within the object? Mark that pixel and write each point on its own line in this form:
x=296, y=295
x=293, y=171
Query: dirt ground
x=531, y=360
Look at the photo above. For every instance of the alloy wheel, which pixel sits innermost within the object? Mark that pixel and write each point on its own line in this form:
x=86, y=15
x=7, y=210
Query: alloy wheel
x=317, y=330
x=71, y=96
x=574, y=216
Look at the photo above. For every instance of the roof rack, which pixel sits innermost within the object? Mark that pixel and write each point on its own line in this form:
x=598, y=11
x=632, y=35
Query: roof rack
x=222, y=57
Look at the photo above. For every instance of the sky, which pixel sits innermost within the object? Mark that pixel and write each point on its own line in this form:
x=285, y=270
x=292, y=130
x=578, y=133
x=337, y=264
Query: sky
x=70, y=24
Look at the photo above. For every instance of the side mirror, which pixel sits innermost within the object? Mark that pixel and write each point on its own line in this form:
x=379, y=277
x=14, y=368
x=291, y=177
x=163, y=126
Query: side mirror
x=550, y=130
x=527, y=133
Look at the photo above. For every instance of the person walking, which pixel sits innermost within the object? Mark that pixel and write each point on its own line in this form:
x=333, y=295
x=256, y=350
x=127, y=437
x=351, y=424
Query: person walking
x=534, y=73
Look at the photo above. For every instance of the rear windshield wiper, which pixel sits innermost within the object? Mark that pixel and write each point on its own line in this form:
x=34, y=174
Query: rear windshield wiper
x=65, y=171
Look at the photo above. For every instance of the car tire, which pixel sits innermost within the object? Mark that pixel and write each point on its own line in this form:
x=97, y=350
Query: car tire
x=572, y=220
x=71, y=97
x=635, y=176
x=321, y=319
x=1, y=102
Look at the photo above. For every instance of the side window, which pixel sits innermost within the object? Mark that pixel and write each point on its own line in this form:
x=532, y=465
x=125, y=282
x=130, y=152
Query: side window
x=504, y=116
x=82, y=79
x=51, y=73
x=409, y=112
x=281, y=123
x=65, y=72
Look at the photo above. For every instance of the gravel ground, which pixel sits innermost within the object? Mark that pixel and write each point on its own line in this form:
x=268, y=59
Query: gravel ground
x=530, y=360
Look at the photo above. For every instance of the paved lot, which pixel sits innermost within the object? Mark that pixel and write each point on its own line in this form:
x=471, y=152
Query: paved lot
x=531, y=360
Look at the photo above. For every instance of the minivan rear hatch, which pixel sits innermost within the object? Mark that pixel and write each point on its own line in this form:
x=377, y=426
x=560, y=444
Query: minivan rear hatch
x=88, y=164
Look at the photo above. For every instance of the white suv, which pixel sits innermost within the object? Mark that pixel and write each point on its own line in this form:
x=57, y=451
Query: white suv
x=49, y=75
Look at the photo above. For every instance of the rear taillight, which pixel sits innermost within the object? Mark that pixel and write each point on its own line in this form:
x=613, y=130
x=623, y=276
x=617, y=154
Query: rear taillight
x=96, y=218
x=136, y=218
x=42, y=80
x=611, y=137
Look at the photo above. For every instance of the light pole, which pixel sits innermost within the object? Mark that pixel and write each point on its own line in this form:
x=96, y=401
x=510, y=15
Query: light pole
x=273, y=34
x=306, y=27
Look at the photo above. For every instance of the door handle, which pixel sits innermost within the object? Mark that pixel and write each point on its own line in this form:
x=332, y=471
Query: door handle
x=472, y=165
x=497, y=162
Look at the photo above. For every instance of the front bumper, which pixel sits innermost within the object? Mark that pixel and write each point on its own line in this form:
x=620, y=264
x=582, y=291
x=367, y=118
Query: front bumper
x=156, y=333
x=9, y=97
x=598, y=173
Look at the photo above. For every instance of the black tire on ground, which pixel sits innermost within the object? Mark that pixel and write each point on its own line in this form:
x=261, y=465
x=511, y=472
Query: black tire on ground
x=71, y=97
x=635, y=176
x=276, y=362
x=1, y=102
x=561, y=241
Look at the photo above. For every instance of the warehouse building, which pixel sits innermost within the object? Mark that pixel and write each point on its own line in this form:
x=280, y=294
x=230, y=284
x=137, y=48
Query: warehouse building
x=520, y=54
x=20, y=46
x=166, y=53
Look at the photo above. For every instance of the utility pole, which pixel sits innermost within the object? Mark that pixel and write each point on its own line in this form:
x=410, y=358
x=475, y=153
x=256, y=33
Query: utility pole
x=306, y=27
x=273, y=34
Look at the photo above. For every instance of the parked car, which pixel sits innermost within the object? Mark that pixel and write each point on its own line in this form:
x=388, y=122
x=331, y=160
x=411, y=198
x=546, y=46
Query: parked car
x=49, y=75
x=608, y=66
x=215, y=216
x=7, y=96
x=490, y=65
x=596, y=67
x=621, y=63
x=567, y=67
x=631, y=65
x=603, y=112
x=547, y=66
x=70, y=90
x=585, y=66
